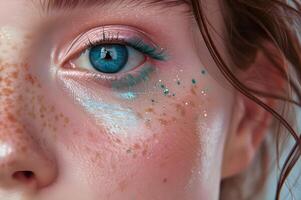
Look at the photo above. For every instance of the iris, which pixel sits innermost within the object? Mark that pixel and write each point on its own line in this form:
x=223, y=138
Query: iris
x=109, y=58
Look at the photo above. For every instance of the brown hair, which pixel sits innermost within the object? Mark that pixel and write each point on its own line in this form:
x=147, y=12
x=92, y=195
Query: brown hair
x=249, y=24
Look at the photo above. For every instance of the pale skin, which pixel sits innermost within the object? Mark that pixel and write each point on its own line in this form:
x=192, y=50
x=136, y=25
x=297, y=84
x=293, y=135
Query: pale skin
x=164, y=145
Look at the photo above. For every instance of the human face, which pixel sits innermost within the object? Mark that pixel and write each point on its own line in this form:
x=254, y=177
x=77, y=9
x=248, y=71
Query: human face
x=154, y=130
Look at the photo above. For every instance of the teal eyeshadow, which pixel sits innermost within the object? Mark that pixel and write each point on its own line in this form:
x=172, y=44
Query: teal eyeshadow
x=153, y=51
x=128, y=95
x=132, y=80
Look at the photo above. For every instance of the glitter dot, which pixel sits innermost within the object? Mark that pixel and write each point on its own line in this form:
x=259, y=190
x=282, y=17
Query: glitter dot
x=193, y=81
x=153, y=100
x=162, y=86
x=166, y=91
x=203, y=71
x=178, y=82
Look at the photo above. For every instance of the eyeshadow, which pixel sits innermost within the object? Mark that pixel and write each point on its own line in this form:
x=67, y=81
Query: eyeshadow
x=132, y=80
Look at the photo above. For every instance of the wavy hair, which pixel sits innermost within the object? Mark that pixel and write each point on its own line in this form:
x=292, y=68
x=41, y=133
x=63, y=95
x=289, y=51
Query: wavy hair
x=248, y=24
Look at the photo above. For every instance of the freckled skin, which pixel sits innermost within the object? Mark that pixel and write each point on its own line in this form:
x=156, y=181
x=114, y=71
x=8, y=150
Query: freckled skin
x=82, y=141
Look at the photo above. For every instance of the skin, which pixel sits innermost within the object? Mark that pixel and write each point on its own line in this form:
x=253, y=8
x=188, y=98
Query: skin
x=80, y=139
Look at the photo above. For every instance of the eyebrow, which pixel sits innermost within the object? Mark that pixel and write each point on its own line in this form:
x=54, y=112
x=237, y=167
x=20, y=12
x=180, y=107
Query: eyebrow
x=71, y=4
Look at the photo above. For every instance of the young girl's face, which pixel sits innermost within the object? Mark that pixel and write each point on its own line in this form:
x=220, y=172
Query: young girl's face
x=108, y=100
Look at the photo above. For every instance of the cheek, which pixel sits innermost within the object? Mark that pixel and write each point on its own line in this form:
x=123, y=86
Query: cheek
x=162, y=140
x=25, y=107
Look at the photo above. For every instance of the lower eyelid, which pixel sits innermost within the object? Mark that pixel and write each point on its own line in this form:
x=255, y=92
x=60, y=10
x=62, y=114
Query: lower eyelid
x=117, y=81
x=142, y=74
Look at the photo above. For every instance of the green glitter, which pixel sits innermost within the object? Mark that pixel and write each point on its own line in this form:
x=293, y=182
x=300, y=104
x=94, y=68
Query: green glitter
x=166, y=91
x=162, y=86
x=193, y=81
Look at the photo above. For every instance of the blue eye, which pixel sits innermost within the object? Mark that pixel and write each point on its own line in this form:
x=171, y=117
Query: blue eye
x=108, y=58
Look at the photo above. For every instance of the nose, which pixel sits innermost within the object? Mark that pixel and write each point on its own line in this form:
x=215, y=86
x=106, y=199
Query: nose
x=23, y=162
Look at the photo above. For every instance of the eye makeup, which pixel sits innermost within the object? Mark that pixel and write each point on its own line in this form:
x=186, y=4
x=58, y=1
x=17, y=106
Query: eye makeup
x=116, y=34
x=132, y=79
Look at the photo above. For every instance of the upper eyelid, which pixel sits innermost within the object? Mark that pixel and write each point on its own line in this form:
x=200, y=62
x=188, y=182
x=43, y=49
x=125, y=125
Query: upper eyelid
x=77, y=42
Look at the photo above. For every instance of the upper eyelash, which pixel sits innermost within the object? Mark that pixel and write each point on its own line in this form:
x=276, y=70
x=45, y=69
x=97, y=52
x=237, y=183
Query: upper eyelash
x=154, y=52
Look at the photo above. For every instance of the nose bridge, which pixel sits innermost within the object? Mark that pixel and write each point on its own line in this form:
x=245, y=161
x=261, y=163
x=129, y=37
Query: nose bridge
x=13, y=73
x=13, y=134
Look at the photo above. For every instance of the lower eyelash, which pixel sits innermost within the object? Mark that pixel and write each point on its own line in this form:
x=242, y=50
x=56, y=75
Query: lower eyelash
x=132, y=79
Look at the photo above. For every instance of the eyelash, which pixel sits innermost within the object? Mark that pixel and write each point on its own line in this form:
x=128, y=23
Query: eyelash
x=154, y=52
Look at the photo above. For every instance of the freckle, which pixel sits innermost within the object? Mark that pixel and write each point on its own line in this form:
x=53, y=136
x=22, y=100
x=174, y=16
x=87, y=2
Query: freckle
x=30, y=79
x=137, y=146
x=15, y=74
x=163, y=122
x=66, y=120
x=181, y=109
x=118, y=141
x=52, y=109
x=164, y=180
x=122, y=185
x=203, y=72
x=23, y=149
x=7, y=91
x=139, y=115
x=134, y=155
x=192, y=90
x=149, y=110
x=129, y=151
x=26, y=66
x=11, y=118
x=144, y=152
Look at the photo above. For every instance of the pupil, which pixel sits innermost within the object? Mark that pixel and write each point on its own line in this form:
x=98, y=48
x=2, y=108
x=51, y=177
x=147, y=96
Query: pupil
x=108, y=58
